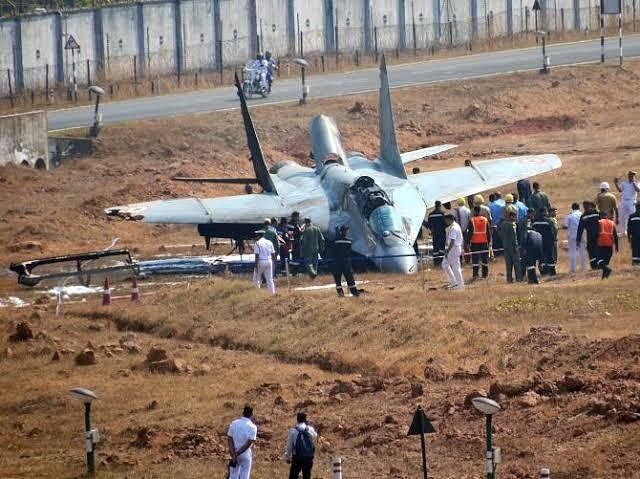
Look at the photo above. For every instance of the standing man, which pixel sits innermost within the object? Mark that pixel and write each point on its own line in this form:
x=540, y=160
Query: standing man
x=520, y=206
x=607, y=238
x=284, y=244
x=270, y=233
x=301, y=447
x=265, y=256
x=589, y=223
x=628, y=196
x=633, y=233
x=531, y=252
x=606, y=202
x=538, y=198
x=571, y=222
x=479, y=234
x=510, y=245
x=241, y=435
x=341, y=264
x=296, y=229
x=451, y=260
x=312, y=244
x=436, y=224
x=497, y=206
x=478, y=200
x=524, y=190
x=547, y=229
x=463, y=215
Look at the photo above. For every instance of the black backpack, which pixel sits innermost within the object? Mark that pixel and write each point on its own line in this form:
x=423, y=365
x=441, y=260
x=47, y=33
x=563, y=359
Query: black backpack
x=304, y=448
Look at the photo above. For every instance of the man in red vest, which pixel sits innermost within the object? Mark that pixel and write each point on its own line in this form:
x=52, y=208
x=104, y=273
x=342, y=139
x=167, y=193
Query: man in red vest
x=607, y=238
x=479, y=234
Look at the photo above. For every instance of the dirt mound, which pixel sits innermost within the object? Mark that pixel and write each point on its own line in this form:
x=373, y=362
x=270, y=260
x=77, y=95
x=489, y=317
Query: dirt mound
x=542, y=124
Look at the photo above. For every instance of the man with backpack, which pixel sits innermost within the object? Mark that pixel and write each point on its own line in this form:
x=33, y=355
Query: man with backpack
x=301, y=447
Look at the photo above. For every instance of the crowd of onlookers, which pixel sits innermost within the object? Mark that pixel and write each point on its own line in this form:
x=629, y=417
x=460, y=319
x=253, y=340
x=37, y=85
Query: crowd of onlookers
x=523, y=227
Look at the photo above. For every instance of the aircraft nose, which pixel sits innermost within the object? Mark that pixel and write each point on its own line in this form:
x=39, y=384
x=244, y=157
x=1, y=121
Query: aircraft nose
x=398, y=259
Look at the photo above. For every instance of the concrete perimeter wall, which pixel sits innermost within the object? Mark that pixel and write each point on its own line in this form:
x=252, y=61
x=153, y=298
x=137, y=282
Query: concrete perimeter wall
x=160, y=37
x=23, y=139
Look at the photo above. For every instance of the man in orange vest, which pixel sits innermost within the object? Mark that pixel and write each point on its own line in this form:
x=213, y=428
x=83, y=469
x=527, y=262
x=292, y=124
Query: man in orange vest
x=479, y=234
x=607, y=238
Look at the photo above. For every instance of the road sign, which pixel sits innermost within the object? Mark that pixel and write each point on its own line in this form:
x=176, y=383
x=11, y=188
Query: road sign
x=420, y=424
x=72, y=44
x=536, y=6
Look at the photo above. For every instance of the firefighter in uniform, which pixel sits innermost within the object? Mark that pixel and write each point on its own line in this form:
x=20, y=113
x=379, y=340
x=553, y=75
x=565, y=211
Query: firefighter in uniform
x=531, y=253
x=435, y=223
x=633, y=232
x=479, y=234
x=509, y=235
x=549, y=232
x=341, y=264
x=607, y=238
x=589, y=223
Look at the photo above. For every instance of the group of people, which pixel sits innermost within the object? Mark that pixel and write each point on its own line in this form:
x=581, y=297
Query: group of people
x=299, y=447
x=524, y=228
x=265, y=67
x=301, y=244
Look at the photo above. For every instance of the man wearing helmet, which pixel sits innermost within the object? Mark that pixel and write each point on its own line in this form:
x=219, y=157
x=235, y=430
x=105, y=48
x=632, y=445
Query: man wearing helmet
x=606, y=202
x=271, y=68
x=260, y=65
x=341, y=261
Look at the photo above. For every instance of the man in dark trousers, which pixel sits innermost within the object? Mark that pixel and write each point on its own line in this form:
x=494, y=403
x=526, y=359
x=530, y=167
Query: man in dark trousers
x=524, y=190
x=607, y=239
x=531, y=253
x=547, y=228
x=341, y=261
x=589, y=223
x=435, y=223
x=479, y=234
x=633, y=233
x=300, y=448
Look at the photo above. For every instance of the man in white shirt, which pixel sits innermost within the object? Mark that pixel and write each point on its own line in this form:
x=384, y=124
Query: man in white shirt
x=265, y=255
x=241, y=436
x=300, y=453
x=628, y=195
x=452, y=252
x=571, y=222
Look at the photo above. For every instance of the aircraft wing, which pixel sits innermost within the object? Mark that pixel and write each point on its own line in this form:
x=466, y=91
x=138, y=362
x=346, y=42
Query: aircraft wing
x=447, y=185
x=227, y=209
x=410, y=156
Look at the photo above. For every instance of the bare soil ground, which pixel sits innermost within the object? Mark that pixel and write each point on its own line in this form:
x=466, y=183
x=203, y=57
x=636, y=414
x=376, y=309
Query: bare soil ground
x=561, y=358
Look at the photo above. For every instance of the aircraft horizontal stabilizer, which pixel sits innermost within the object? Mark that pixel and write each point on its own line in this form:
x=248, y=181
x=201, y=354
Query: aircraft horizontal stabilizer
x=237, y=181
x=410, y=156
x=477, y=176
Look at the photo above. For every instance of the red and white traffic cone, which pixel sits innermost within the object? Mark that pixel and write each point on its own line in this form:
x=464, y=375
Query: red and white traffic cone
x=135, y=292
x=106, y=292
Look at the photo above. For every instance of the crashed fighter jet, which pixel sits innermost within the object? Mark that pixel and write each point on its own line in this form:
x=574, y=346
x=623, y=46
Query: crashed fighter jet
x=383, y=207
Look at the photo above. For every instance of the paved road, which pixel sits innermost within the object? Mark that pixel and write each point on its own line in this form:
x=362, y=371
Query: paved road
x=355, y=82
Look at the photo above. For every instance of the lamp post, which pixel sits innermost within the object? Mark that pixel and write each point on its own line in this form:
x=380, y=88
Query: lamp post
x=95, y=128
x=305, y=89
x=545, y=59
x=91, y=435
x=488, y=407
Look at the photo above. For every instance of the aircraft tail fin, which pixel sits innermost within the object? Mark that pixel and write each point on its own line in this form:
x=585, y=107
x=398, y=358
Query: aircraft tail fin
x=257, y=157
x=389, y=152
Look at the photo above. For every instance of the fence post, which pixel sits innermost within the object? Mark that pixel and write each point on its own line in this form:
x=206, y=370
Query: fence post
x=46, y=82
x=135, y=69
x=321, y=59
x=375, y=43
x=562, y=19
x=337, y=45
x=301, y=46
x=526, y=19
x=357, y=59
x=10, y=89
x=88, y=78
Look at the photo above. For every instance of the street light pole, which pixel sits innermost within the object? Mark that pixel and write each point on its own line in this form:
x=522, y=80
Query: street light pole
x=91, y=436
x=488, y=407
x=490, y=463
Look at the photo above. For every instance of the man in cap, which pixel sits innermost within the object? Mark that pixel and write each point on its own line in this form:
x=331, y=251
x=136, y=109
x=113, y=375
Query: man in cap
x=341, y=261
x=436, y=224
x=538, y=198
x=479, y=234
x=606, y=202
x=510, y=245
x=312, y=245
x=478, y=200
x=607, y=239
x=463, y=215
x=265, y=256
x=509, y=207
x=571, y=223
x=452, y=252
x=589, y=224
x=628, y=196
x=633, y=233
